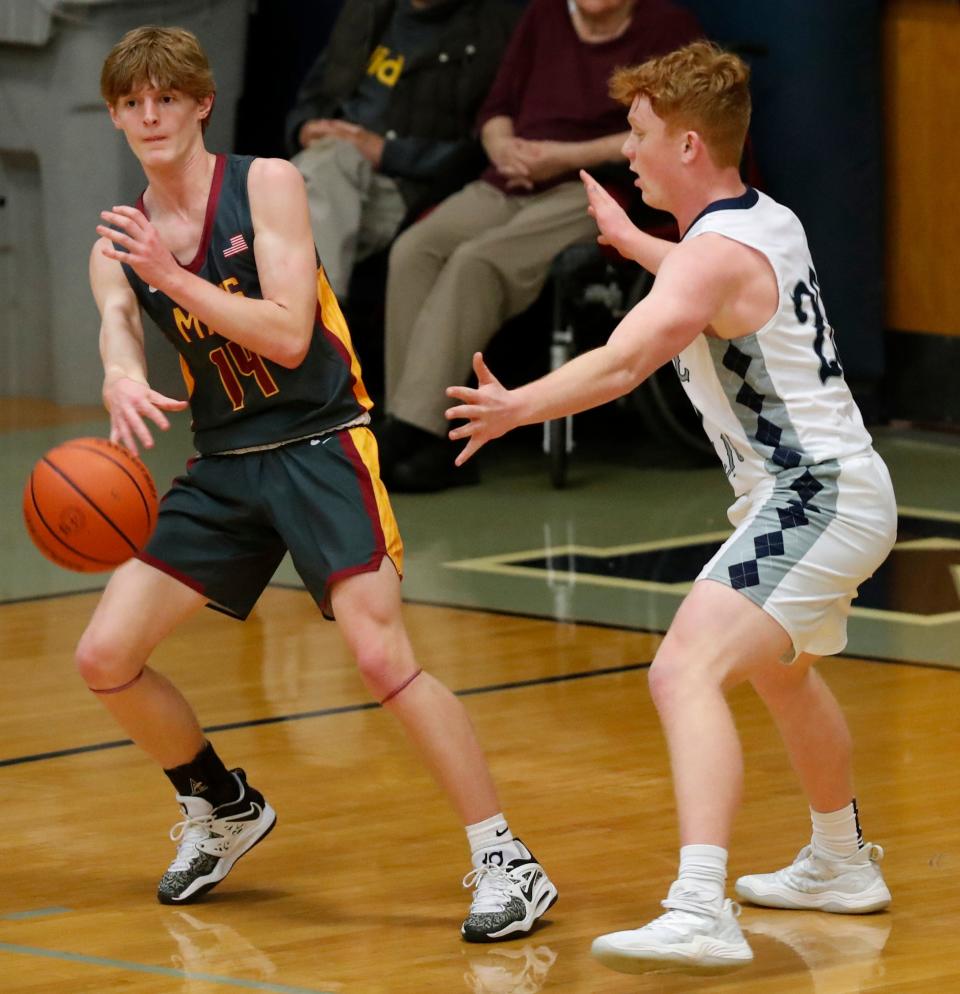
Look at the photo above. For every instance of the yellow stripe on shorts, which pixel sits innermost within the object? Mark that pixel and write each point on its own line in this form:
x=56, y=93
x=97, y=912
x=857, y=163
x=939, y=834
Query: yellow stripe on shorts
x=366, y=445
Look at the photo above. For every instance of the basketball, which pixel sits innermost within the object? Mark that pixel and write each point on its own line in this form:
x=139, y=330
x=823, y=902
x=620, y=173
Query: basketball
x=89, y=505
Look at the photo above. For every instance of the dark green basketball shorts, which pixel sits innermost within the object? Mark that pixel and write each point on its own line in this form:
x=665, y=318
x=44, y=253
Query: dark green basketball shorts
x=226, y=523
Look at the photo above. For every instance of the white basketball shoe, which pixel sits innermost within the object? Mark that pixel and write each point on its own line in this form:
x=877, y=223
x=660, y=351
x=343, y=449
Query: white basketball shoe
x=694, y=932
x=851, y=886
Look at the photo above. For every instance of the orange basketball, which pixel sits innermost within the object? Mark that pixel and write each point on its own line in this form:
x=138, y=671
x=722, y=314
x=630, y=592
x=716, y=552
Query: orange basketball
x=89, y=505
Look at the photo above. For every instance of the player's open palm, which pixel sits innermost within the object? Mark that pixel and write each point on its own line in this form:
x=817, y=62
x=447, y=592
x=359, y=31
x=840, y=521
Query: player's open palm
x=615, y=226
x=488, y=410
x=130, y=402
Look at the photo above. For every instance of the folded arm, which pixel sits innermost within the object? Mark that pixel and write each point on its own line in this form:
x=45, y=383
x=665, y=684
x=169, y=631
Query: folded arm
x=278, y=327
x=528, y=161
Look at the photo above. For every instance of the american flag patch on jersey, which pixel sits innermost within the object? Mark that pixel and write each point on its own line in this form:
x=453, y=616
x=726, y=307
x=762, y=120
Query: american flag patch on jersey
x=237, y=244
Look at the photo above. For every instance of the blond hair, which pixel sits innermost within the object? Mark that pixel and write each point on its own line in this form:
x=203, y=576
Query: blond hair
x=166, y=58
x=700, y=87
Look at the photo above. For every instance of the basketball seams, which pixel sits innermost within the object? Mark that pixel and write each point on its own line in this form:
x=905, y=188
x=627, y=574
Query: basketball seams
x=82, y=557
x=147, y=479
x=109, y=524
x=103, y=514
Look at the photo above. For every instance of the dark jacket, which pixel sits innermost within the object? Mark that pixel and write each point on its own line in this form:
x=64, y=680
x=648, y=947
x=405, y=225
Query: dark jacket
x=431, y=149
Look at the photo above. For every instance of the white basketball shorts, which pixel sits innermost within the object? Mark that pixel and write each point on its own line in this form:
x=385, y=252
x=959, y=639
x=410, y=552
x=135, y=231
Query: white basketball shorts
x=804, y=544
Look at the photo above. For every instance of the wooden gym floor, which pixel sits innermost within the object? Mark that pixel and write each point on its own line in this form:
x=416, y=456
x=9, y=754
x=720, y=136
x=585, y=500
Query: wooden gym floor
x=543, y=608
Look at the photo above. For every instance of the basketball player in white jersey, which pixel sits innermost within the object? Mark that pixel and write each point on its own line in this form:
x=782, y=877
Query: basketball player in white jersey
x=736, y=307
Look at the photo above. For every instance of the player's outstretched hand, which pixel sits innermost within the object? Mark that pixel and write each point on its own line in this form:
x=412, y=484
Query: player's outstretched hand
x=615, y=227
x=488, y=410
x=129, y=403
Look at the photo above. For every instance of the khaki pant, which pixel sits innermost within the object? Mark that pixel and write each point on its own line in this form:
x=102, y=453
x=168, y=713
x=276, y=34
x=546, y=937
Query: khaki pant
x=478, y=259
x=354, y=210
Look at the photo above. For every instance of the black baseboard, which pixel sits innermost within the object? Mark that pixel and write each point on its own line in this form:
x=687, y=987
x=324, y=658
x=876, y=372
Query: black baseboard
x=921, y=378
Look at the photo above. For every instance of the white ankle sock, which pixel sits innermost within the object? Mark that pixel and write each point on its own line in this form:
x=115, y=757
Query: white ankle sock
x=836, y=834
x=494, y=831
x=705, y=868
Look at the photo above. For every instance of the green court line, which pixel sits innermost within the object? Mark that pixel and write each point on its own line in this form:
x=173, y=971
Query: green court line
x=163, y=971
x=19, y=916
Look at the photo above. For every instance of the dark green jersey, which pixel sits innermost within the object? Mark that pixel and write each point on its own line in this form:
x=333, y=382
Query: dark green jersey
x=238, y=399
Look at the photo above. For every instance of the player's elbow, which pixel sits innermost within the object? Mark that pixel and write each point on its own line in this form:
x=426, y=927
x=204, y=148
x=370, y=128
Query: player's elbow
x=292, y=349
x=627, y=368
x=292, y=355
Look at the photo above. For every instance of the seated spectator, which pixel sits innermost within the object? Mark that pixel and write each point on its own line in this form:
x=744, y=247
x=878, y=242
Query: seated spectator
x=382, y=122
x=483, y=255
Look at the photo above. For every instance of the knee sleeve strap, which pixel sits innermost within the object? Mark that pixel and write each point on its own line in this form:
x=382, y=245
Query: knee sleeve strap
x=123, y=686
x=406, y=683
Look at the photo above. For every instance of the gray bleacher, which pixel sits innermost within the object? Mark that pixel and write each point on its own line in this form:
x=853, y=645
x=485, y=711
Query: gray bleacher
x=61, y=162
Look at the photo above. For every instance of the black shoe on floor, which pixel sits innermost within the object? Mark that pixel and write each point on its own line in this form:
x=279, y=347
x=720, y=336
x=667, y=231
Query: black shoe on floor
x=397, y=440
x=431, y=468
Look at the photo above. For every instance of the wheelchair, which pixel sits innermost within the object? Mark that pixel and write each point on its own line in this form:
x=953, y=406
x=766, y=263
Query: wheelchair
x=591, y=293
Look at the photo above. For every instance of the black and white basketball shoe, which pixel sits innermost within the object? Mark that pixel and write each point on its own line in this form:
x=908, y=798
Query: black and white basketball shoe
x=510, y=892
x=210, y=840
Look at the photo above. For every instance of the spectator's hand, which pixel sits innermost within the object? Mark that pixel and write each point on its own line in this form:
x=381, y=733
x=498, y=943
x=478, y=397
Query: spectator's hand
x=129, y=401
x=504, y=156
x=544, y=160
x=315, y=129
x=488, y=411
x=368, y=143
x=150, y=258
x=616, y=228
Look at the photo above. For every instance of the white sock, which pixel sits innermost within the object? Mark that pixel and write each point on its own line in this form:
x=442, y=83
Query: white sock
x=836, y=834
x=494, y=831
x=705, y=868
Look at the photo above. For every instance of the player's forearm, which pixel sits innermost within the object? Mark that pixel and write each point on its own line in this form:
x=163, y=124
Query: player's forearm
x=121, y=349
x=121, y=361
x=496, y=130
x=589, y=380
x=647, y=250
x=262, y=326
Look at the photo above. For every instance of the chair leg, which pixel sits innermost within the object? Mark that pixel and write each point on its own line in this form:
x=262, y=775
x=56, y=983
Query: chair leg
x=558, y=434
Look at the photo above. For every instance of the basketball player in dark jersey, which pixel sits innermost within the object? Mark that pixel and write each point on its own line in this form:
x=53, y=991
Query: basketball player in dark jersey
x=219, y=252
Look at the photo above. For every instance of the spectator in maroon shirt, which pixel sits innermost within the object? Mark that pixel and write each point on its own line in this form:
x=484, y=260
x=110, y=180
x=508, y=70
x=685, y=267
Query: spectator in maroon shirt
x=483, y=254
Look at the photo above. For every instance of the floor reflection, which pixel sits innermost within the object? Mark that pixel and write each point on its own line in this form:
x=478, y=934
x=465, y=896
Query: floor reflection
x=503, y=969
x=206, y=947
x=842, y=952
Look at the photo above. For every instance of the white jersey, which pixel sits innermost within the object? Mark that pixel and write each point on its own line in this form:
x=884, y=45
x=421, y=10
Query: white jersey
x=774, y=399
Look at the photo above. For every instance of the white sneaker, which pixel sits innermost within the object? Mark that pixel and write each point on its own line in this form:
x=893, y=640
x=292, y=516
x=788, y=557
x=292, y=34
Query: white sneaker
x=693, y=932
x=511, y=891
x=851, y=886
